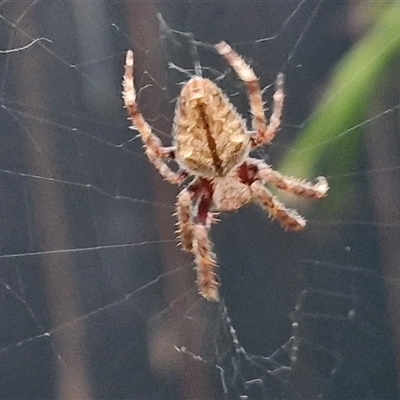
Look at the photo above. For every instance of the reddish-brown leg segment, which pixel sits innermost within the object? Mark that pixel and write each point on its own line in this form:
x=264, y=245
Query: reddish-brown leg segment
x=194, y=222
x=202, y=248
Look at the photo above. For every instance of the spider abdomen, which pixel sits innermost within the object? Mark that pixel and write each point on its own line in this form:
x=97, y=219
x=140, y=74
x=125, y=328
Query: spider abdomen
x=210, y=136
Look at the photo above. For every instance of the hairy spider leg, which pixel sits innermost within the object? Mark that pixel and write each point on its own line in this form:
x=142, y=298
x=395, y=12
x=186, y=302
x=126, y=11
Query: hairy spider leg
x=185, y=220
x=263, y=133
x=289, y=219
x=205, y=259
x=300, y=187
x=155, y=151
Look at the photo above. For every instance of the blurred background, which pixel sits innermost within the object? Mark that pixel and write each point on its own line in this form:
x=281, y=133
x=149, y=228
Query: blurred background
x=96, y=299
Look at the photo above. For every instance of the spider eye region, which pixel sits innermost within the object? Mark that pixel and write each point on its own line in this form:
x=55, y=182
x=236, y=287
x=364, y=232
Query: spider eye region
x=209, y=134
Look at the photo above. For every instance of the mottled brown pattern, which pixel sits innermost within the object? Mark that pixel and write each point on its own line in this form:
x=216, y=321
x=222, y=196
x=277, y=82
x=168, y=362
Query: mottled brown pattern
x=210, y=136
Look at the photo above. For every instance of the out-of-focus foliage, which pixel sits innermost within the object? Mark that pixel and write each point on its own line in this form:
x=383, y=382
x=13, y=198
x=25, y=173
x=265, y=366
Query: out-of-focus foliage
x=332, y=138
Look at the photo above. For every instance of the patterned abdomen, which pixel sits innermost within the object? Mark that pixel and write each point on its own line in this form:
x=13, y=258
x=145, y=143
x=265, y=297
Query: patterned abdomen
x=210, y=136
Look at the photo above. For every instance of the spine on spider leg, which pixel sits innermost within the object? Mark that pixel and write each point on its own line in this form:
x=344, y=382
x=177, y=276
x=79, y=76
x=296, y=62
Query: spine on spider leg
x=205, y=264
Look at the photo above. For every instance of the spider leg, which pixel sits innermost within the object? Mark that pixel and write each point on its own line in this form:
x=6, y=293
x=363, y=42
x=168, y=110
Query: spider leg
x=276, y=116
x=205, y=263
x=289, y=219
x=185, y=221
x=155, y=151
x=201, y=191
x=297, y=186
x=194, y=222
x=263, y=133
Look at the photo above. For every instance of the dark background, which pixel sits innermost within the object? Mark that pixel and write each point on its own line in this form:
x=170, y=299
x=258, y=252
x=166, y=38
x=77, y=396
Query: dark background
x=100, y=308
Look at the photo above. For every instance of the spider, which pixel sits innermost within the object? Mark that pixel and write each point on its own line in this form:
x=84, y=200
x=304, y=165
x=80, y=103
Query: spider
x=211, y=146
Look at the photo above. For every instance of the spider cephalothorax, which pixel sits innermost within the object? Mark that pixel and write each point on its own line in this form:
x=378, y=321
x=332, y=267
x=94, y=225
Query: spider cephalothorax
x=212, y=145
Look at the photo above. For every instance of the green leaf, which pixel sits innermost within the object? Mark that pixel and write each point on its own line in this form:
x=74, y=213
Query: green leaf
x=335, y=127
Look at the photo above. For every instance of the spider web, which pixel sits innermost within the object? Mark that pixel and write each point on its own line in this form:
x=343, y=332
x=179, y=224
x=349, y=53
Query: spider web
x=98, y=302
